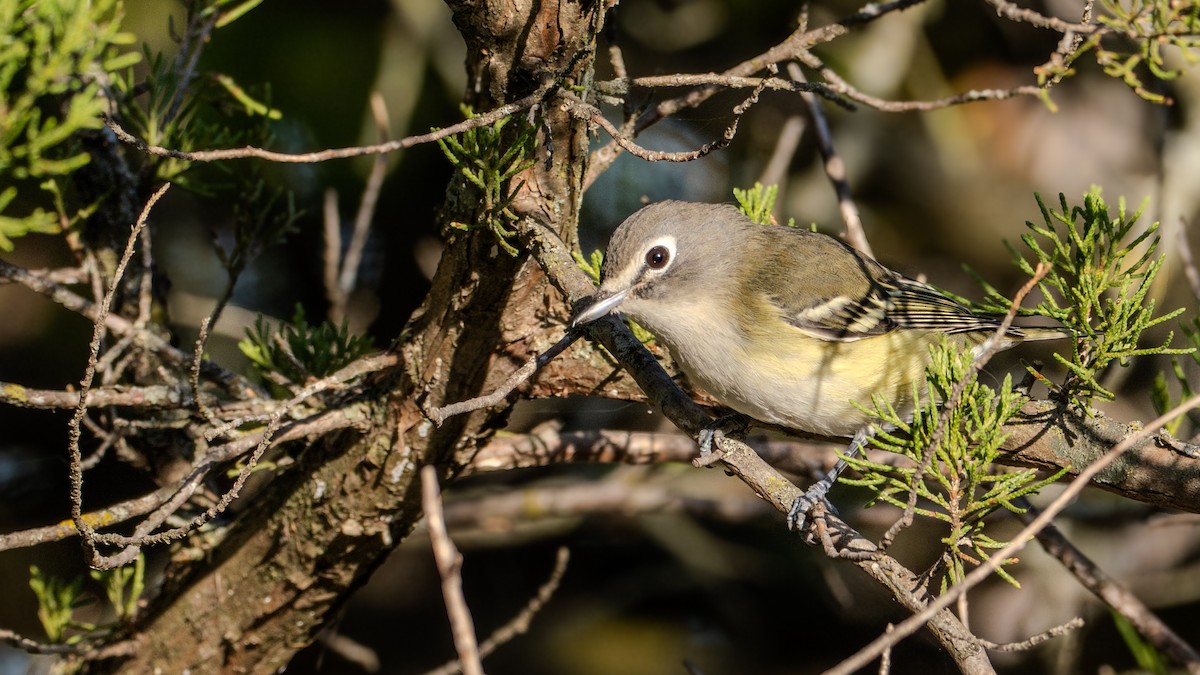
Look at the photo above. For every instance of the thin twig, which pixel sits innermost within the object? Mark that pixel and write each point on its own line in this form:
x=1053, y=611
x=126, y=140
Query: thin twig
x=972, y=579
x=526, y=371
x=121, y=648
x=66, y=276
x=199, y=28
x=316, y=425
x=620, y=87
x=74, y=427
x=602, y=158
x=142, y=534
x=353, y=652
x=346, y=267
x=358, y=368
x=847, y=543
x=187, y=486
x=546, y=445
x=1048, y=634
x=617, y=59
x=334, y=153
x=331, y=228
x=122, y=326
x=835, y=168
x=111, y=515
x=589, y=112
x=618, y=497
x=775, y=171
x=146, y=283
x=449, y=564
x=885, y=659
x=341, y=269
x=32, y=646
x=800, y=41
x=1019, y=14
x=198, y=360
x=839, y=85
x=1112, y=592
x=366, y=206
x=1066, y=47
x=115, y=359
x=108, y=438
x=155, y=396
x=519, y=623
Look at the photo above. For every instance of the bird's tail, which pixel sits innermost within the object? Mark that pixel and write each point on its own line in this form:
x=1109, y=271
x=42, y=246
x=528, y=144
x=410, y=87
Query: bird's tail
x=1030, y=333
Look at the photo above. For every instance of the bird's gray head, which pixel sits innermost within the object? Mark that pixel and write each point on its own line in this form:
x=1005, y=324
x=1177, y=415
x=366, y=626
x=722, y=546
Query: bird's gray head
x=665, y=254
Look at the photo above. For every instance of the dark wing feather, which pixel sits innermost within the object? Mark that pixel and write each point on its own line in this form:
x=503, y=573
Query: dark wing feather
x=889, y=302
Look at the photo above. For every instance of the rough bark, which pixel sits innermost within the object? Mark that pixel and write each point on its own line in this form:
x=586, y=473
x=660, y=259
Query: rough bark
x=1160, y=470
x=317, y=532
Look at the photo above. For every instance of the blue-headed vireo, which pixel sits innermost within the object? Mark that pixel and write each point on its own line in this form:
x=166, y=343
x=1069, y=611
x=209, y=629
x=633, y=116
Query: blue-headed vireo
x=787, y=326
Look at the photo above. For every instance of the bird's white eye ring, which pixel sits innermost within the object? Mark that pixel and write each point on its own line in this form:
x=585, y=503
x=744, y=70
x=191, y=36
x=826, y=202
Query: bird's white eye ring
x=658, y=257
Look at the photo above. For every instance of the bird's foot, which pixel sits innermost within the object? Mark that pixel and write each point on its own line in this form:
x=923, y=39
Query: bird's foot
x=797, y=516
x=729, y=425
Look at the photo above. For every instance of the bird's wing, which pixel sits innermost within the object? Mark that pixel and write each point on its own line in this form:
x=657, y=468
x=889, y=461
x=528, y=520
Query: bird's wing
x=888, y=302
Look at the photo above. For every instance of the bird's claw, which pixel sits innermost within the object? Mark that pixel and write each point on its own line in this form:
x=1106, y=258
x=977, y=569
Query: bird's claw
x=710, y=436
x=797, y=516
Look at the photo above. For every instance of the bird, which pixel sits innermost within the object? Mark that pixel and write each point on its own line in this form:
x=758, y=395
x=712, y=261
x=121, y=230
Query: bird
x=786, y=326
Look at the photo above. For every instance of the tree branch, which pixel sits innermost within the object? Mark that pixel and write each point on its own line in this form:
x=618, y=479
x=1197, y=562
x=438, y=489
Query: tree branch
x=122, y=326
x=1112, y=592
x=490, y=117
x=150, y=396
x=521, y=622
x=977, y=575
x=449, y=565
x=1154, y=469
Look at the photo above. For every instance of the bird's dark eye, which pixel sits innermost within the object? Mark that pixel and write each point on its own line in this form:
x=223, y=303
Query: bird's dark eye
x=658, y=257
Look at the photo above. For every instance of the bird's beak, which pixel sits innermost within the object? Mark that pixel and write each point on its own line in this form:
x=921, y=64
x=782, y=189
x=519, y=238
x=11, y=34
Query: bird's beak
x=600, y=304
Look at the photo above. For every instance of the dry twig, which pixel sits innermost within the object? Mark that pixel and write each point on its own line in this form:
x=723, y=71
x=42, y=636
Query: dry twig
x=449, y=564
x=341, y=270
x=1112, y=592
x=1048, y=634
x=333, y=153
x=74, y=427
x=526, y=371
x=123, y=327
x=972, y=579
x=317, y=425
x=520, y=623
x=835, y=168
x=1189, y=261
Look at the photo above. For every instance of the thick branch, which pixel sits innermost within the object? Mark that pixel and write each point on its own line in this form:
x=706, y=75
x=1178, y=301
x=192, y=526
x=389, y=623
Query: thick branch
x=1157, y=470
